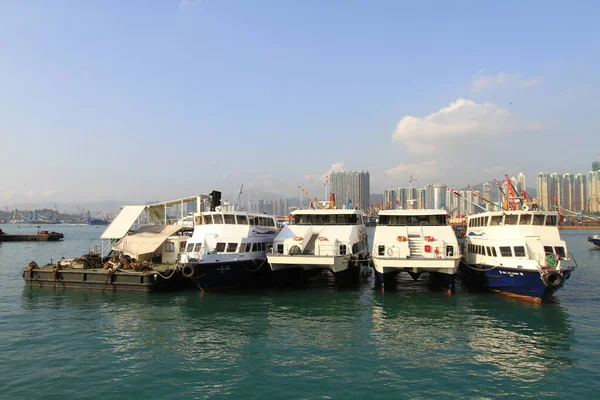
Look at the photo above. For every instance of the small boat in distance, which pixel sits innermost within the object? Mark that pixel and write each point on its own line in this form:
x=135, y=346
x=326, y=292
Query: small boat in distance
x=415, y=241
x=319, y=240
x=41, y=236
x=595, y=240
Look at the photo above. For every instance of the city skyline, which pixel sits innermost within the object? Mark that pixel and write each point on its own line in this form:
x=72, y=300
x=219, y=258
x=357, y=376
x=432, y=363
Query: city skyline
x=273, y=95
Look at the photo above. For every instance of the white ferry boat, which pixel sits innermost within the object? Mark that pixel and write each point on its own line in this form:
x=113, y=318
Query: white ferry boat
x=317, y=240
x=415, y=241
x=228, y=249
x=516, y=252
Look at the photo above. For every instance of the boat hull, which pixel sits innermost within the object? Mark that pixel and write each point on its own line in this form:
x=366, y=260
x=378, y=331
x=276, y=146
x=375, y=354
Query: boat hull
x=291, y=270
x=229, y=275
x=441, y=271
x=510, y=281
x=595, y=241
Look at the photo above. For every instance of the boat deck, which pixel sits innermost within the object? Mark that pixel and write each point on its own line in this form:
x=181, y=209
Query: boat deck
x=161, y=277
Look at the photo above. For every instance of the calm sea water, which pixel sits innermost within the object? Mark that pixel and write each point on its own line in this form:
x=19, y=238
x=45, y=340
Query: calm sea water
x=310, y=343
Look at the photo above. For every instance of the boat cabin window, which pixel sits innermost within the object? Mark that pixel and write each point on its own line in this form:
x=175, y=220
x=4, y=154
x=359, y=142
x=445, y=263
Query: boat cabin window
x=519, y=251
x=220, y=247
x=207, y=219
x=496, y=220
x=560, y=251
x=548, y=250
x=198, y=220
x=525, y=219
x=551, y=220
x=181, y=247
x=218, y=218
x=241, y=219
x=229, y=219
x=494, y=252
x=251, y=219
x=511, y=219
x=489, y=252
x=506, y=251
x=197, y=247
x=332, y=219
x=248, y=247
x=413, y=220
x=231, y=247
x=538, y=219
x=169, y=247
x=190, y=247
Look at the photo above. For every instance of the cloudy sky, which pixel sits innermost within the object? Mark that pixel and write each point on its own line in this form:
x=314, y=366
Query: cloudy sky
x=154, y=100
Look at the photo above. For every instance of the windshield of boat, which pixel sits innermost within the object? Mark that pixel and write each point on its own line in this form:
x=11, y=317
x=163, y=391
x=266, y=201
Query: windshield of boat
x=412, y=220
x=327, y=219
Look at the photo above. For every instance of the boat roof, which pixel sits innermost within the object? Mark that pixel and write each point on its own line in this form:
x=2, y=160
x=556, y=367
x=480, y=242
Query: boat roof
x=413, y=212
x=512, y=212
x=235, y=213
x=326, y=211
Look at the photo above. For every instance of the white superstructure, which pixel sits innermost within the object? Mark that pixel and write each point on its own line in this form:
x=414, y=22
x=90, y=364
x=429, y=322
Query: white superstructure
x=415, y=241
x=226, y=246
x=325, y=239
x=518, y=252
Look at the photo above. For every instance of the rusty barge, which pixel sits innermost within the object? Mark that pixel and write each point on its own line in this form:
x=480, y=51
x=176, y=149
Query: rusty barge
x=41, y=236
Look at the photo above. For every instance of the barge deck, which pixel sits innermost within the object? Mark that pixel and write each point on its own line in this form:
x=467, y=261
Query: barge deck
x=160, y=278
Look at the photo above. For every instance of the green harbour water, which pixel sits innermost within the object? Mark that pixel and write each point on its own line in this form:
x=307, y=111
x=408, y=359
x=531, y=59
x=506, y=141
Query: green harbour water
x=293, y=343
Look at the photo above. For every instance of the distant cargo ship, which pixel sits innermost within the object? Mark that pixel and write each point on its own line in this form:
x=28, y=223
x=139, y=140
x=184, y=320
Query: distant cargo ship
x=96, y=222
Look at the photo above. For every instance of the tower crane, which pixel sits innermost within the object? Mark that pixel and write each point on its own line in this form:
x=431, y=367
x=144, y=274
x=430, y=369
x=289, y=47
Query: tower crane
x=314, y=201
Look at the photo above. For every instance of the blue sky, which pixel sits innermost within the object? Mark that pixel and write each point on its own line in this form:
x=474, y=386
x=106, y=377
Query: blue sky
x=153, y=100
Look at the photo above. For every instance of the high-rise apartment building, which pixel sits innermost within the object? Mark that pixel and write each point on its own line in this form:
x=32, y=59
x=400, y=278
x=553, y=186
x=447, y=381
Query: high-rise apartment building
x=521, y=183
x=353, y=185
x=579, y=201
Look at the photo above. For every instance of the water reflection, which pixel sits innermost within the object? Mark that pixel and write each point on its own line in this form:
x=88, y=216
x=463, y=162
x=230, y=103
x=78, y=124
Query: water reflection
x=488, y=337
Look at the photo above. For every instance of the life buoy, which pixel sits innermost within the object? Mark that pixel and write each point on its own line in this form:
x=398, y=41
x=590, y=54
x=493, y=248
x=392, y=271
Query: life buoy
x=390, y=252
x=323, y=239
x=298, y=238
x=401, y=238
x=428, y=238
x=552, y=279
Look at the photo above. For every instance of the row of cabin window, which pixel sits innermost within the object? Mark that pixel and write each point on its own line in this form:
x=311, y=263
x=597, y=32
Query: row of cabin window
x=232, y=219
x=507, y=251
x=514, y=219
x=223, y=247
x=412, y=220
x=332, y=219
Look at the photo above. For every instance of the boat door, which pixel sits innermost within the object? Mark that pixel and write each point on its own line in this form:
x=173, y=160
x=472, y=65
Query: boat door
x=534, y=247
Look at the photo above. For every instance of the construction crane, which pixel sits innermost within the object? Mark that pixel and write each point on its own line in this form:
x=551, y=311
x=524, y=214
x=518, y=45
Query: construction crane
x=458, y=195
x=491, y=205
x=314, y=201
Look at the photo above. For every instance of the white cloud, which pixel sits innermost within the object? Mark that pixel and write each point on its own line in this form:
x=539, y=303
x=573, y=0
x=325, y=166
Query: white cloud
x=426, y=169
x=335, y=167
x=481, y=81
x=49, y=192
x=462, y=119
